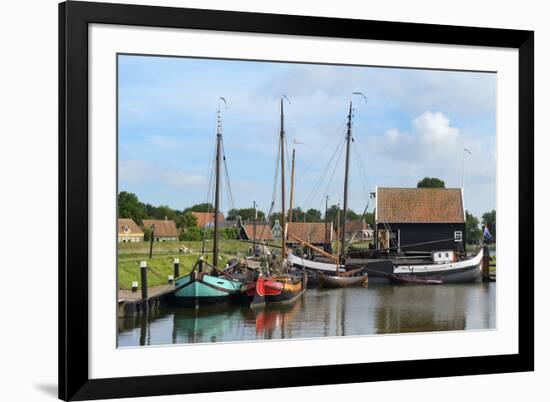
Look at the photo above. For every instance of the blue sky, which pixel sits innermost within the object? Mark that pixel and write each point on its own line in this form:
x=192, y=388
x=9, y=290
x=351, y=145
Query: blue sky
x=415, y=123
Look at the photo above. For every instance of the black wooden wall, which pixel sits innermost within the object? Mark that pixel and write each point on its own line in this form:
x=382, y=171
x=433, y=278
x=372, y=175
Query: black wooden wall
x=413, y=233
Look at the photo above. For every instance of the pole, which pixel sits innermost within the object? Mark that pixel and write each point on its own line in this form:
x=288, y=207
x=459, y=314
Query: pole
x=217, y=195
x=346, y=177
x=290, y=210
x=338, y=242
x=143, y=268
x=254, y=231
x=176, y=268
x=326, y=222
x=152, y=240
x=283, y=209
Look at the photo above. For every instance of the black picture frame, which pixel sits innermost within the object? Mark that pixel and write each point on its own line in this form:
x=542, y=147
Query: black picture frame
x=74, y=18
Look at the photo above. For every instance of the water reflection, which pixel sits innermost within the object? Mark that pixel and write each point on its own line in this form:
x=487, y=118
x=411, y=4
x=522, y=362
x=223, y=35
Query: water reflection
x=378, y=309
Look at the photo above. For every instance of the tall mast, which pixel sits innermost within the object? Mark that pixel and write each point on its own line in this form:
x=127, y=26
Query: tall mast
x=217, y=195
x=254, y=229
x=326, y=221
x=283, y=209
x=346, y=177
x=290, y=211
x=337, y=243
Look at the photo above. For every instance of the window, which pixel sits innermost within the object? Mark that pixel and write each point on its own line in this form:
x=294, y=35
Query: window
x=458, y=235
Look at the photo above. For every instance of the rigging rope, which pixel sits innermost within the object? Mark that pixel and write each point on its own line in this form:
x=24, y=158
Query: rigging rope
x=319, y=182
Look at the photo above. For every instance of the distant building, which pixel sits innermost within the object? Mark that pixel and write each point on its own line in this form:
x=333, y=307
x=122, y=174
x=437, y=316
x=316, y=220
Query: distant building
x=358, y=230
x=420, y=219
x=128, y=231
x=319, y=234
x=263, y=232
x=277, y=230
x=206, y=219
x=164, y=230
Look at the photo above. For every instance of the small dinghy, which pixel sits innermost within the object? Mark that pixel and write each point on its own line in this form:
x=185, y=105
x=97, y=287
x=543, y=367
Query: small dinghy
x=328, y=281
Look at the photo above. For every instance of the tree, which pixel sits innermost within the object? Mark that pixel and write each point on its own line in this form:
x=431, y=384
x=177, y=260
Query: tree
x=191, y=234
x=186, y=220
x=473, y=232
x=130, y=207
x=489, y=219
x=332, y=213
x=164, y=211
x=147, y=232
x=369, y=218
x=431, y=182
x=246, y=214
x=204, y=207
x=313, y=215
x=298, y=215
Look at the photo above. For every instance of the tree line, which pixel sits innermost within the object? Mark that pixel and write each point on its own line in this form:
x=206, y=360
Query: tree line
x=129, y=206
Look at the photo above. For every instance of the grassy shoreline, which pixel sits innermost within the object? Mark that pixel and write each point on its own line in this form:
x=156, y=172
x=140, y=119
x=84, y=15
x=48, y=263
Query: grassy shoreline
x=161, y=264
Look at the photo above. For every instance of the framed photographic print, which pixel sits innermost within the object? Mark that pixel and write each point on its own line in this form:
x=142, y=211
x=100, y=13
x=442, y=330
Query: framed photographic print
x=258, y=200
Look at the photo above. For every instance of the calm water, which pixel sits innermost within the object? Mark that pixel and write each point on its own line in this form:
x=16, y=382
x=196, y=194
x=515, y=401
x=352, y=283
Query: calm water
x=376, y=309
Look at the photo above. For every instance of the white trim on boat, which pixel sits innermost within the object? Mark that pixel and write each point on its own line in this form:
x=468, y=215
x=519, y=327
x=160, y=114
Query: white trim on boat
x=407, y=269
x=320, y=266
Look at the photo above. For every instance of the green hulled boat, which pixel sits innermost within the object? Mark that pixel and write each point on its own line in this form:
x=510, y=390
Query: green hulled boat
x=200, y=287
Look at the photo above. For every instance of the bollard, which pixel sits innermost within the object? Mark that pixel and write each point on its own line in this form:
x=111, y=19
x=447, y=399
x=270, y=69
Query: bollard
x=176, y=268
x=134, y=286
x=143, y=266
x=170, y=278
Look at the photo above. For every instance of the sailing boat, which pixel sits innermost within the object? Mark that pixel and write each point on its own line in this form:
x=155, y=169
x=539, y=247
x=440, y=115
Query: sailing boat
x=349, y=278
x=282, y=288
x=200, y=287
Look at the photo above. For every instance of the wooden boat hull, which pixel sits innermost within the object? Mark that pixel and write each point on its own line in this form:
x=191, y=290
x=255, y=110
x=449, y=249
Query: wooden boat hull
x=201, y=288
x=274, y=290
x=341, y=281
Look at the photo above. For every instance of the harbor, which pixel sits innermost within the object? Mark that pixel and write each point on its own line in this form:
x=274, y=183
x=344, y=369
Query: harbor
x=372, y=310
x=413, y=259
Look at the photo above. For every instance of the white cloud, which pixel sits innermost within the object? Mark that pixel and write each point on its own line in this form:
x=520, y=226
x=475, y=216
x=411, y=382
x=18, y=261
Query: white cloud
x=393, y=135
x=139, y=171
x=434, y=129
x=180, y=179
x=134, y=171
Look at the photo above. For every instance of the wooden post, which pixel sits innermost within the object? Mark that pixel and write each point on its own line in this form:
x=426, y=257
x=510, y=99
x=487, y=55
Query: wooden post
x=143, y=267
x=176, y=268
x=152, y=240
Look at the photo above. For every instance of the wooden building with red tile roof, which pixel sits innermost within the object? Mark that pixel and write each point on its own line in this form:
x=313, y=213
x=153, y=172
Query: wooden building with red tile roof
x=164, y=229
x=263, y=232
x=128, y=231
x=206, y=219
x=420, y=219
x=317, y=233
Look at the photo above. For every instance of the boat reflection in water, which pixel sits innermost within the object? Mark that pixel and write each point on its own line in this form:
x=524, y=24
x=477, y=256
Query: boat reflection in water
x=378, y=309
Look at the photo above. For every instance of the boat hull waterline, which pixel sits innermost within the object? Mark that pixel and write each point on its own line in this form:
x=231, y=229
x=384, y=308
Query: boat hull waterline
x=333, y=282
x=274, y=290
x=453, y=272
x=201, y=288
